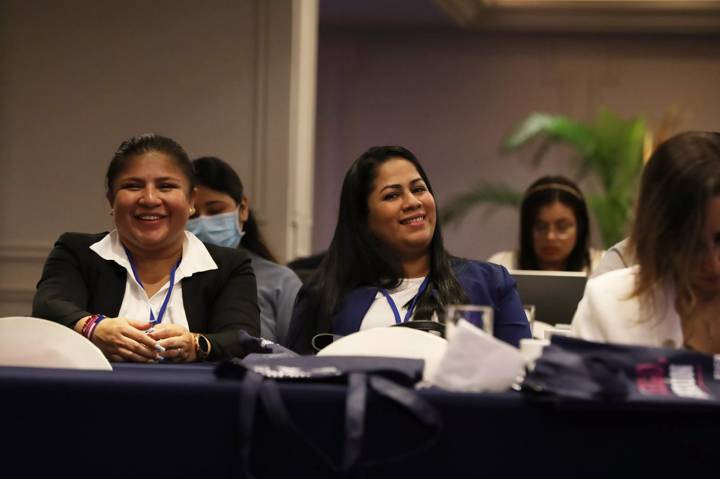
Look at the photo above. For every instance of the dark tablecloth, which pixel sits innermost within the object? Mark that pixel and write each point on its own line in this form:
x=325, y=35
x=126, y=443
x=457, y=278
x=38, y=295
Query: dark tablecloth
x=181, y=421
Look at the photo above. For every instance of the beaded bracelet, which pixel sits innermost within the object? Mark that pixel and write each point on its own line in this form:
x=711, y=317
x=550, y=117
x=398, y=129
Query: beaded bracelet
x=89, y=327
x=95, y=325
x=87, y=324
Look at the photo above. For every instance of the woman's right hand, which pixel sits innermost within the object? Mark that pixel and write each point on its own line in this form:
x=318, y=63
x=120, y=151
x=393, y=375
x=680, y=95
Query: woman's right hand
x=123, y=339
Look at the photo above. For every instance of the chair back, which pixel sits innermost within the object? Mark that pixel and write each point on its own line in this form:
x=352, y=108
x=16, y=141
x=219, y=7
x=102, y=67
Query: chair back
x=305, y=274
x=34, y=342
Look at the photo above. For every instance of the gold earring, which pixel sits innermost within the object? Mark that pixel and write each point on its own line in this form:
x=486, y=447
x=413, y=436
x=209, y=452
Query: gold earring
x=192, y=211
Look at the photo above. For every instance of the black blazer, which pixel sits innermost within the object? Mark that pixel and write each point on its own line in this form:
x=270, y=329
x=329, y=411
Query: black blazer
x=76, y=282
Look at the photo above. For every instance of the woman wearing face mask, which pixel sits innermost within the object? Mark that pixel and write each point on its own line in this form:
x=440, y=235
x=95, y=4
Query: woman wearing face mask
x=671, y=297
x=387, y=264
x=554, y=230
x=224, y=218
x=148, y=290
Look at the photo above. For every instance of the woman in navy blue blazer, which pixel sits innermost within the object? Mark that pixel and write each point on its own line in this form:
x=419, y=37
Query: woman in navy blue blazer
x=387, y=263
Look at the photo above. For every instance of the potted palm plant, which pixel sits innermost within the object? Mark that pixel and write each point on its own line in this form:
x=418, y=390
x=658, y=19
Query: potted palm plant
x=609, y=148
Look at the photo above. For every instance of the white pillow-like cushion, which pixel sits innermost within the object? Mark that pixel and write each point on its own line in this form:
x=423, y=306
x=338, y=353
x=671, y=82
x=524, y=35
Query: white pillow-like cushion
x=392, y=342
x=33, y=342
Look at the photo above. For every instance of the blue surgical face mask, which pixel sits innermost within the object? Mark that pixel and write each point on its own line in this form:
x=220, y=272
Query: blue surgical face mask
x=222, y=230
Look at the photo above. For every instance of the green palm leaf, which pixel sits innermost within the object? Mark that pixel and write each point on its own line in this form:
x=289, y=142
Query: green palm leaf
x=609, y=149
x=555, y=128
x=491, y=195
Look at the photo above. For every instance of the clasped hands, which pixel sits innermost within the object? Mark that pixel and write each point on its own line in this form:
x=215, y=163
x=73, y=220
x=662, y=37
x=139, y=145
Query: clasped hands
x=123, y=339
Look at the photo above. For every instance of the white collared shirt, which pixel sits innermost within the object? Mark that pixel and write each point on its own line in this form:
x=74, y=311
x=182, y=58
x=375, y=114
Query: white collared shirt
x=381, y=314
x=136, y=304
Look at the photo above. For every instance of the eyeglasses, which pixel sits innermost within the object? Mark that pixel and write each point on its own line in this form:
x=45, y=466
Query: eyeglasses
x=561, y=230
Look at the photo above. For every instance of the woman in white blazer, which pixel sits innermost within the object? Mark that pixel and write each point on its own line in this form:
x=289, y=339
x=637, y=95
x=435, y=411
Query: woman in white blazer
x=672, y=297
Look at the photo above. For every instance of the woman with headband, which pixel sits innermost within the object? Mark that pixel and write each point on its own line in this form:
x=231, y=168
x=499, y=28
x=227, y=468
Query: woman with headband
x=554, y=229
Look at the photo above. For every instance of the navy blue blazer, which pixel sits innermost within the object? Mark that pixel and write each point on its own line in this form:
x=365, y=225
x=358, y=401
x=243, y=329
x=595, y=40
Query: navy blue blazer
x=484, y=284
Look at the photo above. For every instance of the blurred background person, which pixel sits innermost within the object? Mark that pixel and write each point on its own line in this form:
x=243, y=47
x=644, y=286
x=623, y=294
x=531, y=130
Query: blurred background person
x=148, y=290
x=618, y=256
x=671, y=297
x=223, y=217
x=554, y=229
x=387, y=265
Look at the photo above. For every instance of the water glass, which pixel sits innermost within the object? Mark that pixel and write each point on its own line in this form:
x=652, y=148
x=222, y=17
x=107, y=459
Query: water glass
x=479, y=316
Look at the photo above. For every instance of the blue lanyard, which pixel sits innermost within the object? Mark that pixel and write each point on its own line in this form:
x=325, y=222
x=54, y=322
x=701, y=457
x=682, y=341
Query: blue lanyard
x=159, y=319
x=414, y=301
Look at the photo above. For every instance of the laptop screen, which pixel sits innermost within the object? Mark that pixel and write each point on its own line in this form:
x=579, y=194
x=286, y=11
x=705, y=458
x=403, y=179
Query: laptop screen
x=555, y=294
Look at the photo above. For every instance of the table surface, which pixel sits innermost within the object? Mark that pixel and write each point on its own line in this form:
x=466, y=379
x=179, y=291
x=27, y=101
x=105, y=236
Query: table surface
x=182, y=421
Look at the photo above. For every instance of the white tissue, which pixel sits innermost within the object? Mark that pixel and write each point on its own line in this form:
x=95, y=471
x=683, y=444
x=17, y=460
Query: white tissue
x=531, y=349
x=542, y=330
x=477, y=362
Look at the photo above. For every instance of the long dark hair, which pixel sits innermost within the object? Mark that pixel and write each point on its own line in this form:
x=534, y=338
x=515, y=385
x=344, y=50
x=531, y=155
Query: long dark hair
x=678, y=182
x=356, y=258
x=215, y=174
x=546, y=191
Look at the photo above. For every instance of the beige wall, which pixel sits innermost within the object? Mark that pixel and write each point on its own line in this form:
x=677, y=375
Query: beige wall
x=80, y=76
x=452, y=96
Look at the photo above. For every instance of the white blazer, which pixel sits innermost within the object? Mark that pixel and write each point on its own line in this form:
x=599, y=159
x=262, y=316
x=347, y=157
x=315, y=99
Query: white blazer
x=607, y=313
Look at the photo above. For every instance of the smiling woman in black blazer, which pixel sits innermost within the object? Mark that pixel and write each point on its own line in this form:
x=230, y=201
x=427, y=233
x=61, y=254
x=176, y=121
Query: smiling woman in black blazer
x=148, y=290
